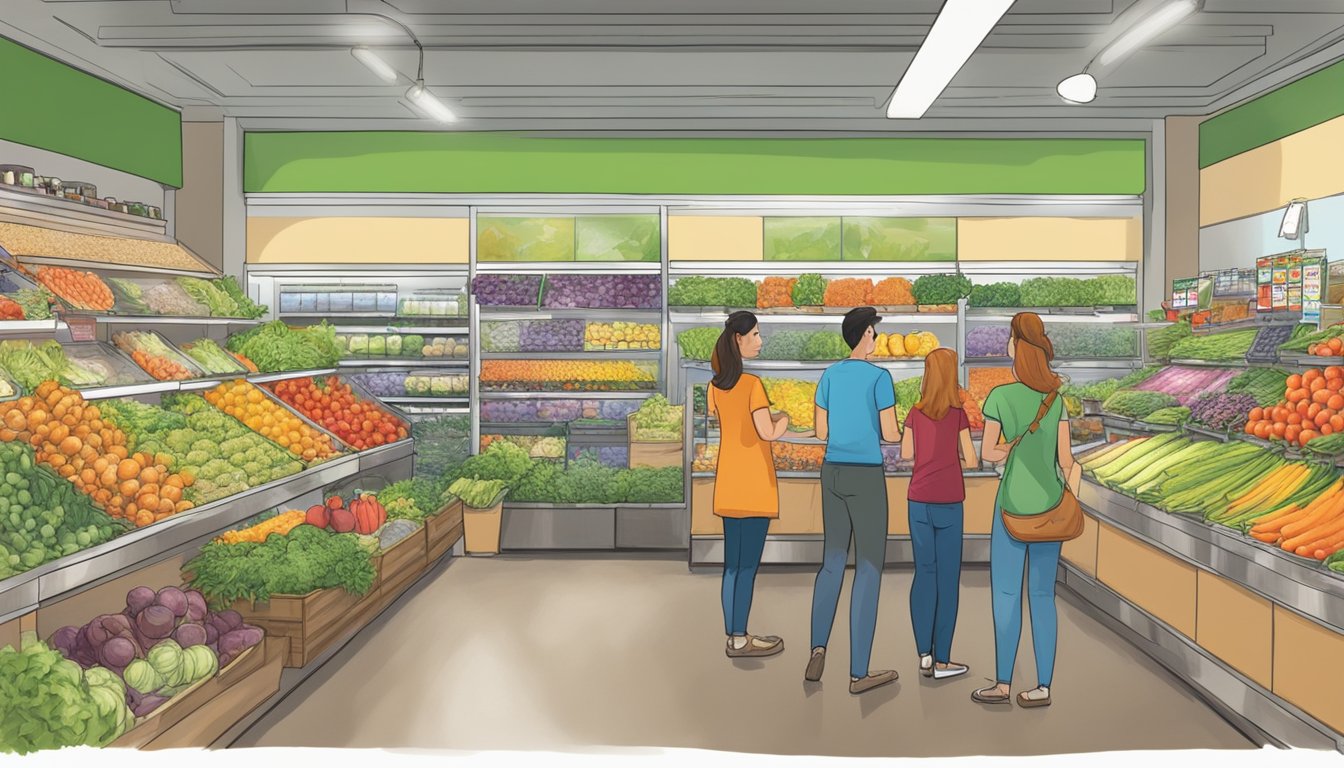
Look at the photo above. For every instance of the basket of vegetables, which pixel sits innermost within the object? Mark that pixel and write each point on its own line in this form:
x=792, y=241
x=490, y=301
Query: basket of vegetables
x=482, y=513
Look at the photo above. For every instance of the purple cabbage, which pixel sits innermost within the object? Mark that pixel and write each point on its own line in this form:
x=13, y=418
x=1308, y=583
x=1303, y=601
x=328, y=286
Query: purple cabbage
x=506, y=290
x=603, y=291
x=987, y=341
x=174, y=600
x=139, y=599
x=551, y=336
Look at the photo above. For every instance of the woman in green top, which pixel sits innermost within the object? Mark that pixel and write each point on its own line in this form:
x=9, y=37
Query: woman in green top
x=1033, y=483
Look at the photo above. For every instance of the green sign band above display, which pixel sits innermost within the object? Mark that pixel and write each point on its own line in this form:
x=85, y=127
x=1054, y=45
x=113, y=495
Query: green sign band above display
x=440, y=162
x=51, y=106
x=1313, y=100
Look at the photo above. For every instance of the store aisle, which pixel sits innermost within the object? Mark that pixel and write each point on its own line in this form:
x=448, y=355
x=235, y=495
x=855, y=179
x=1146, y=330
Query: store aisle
x=567, y=653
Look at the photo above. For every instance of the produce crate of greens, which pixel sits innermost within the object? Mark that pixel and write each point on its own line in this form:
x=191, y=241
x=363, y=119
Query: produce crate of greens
x=213, y=358
x=1134, y=404
x=1217, y=347
x=48, y=702
x=1162, y=341
x=305, y=559
x=657, y=421
x=941, y=289
x=996, y=295
x=221, y=297
x=1060, y=292
x=35, y=302
x=696, y=291
x=274, y=346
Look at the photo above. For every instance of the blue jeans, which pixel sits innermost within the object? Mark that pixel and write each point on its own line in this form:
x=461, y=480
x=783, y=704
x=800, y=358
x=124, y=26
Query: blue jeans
x=853, y=502
x=1008, y=557
x=743, y=542
x=935, y=532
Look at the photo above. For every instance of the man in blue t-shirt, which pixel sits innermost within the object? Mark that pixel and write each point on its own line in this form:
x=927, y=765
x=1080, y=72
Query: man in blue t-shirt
x=856, y=411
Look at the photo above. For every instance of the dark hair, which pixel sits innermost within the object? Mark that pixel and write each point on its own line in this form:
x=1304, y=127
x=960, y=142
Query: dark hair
x=857, y=321
x=726, y=359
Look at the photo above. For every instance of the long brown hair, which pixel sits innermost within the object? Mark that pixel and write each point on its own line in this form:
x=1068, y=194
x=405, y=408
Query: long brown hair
x=1033, y=353
x=726, y=359
x=939, y=391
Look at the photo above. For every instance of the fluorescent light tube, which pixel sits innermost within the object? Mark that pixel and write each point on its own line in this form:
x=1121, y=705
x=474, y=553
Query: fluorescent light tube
x=1080, y=89
x=1138, y=35
x=429, y=104
x=957, y=32
x=376, y=65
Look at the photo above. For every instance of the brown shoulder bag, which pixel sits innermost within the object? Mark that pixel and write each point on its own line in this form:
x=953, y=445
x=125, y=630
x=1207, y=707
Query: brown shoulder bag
x=1062, y=523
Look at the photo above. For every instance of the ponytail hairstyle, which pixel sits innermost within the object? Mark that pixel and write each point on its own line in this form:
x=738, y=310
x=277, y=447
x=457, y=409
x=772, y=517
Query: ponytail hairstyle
x=1033, y=353
x=939, y=391
x=726, y=360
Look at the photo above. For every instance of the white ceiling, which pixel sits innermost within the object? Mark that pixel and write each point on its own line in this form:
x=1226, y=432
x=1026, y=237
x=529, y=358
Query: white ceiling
x=703, y=65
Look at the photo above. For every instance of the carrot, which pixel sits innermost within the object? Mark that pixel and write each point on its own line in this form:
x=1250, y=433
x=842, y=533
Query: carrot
x=1319, y=535
x=1275, y=522
x=1292, y=531
x=1279, y=481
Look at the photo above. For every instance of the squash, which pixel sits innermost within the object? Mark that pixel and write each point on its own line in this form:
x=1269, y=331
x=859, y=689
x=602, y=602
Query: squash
x=318, y=516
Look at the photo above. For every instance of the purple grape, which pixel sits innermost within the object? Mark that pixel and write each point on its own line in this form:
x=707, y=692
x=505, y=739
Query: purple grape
x=603, y=291
x=506, y=290
x=987, y=341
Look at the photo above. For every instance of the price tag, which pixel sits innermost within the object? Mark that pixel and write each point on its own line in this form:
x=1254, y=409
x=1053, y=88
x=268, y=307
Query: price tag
x=1264, y=278
x=1312, y=270
x=82, y=327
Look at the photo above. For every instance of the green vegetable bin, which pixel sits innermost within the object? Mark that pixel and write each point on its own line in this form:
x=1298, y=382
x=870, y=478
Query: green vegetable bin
x=481, y=527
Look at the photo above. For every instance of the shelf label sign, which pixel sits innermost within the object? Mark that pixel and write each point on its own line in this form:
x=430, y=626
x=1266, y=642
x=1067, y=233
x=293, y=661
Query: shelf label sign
x=1264, y=279
x=1312, y=271
x=1279, y=294
x=82, y=327
x=1295, y=283
x=1185, y=293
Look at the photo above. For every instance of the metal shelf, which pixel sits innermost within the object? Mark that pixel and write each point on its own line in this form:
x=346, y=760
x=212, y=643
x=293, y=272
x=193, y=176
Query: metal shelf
x=419, y=362
x=29, y=326
x=25, y=592
x=1094, y=315
x=620, y=354
x=682, y=316
x=150, y=320
x=506, y=314
x=561, y=267
x=336, y=315
x=103, y=266
x=1124, y=363
x=803, y=365
x=33, y=202
x=624, y=394
x=408, y=400
x=1298, y=584
x=265, y=378
x=129, y=390
x=428, y=330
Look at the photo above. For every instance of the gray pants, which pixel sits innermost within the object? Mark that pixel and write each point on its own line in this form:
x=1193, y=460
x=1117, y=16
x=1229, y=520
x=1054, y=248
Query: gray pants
x=853, y=503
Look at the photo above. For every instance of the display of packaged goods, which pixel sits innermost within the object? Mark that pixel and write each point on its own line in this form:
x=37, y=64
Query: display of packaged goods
x=337, y=299
x=492, y=290
x=601, y=336
x=567, y=375
x=213, y=358
x=602, y=291
x=383, y=383
x=17, y=175
x=335, y=405
x=156, y=356
x=435, y=302
x=422, y=383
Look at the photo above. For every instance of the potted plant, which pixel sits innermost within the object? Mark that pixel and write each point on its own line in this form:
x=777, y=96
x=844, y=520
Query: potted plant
x=482, y=513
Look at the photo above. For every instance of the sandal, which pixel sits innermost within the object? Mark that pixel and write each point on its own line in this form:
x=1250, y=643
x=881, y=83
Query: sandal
x=768, y=645
x=1036, y=697
x=990, y=695
x=926, y=665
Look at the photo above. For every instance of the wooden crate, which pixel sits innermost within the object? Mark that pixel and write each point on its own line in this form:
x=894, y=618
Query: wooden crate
x=400, y=566
x=656, y=455
x=187, y=703
x=311, y=622
x=443, y=530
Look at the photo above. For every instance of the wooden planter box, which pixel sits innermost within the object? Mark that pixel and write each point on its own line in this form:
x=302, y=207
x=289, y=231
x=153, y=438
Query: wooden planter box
x=443, y=530
x=311, y=622
x=203, y=712
x=656, y=455
x=400, y=566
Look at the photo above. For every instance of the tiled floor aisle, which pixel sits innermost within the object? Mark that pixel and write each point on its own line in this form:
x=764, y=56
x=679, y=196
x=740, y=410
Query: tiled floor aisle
x=558, y=653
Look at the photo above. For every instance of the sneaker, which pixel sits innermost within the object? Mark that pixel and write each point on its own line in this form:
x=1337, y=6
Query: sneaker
x=1036, y=697
x=951, y=670
x=926, y=666
x=873, y=680
x=756, y=646
x=815, y=665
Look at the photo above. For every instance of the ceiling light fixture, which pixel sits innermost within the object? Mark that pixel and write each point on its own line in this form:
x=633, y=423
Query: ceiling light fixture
x=376, y=65
x=1082, y=88
x=959, y=29
x=429, y=103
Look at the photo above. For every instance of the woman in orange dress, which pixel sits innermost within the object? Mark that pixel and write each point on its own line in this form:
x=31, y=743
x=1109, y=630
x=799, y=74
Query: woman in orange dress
x=746, y=493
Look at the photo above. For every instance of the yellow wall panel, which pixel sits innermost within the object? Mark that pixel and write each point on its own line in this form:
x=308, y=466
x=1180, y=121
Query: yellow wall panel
x=715, y=238
x=1151, y=579
x=1307, y=671
x=1237, y=626
x=1049, y=238
x=1082, y=551
x=357, y=240
x=1307, y=164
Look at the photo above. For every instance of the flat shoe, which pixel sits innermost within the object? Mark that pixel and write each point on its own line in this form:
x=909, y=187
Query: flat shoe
x=990, y=695
x=874, y=680
x=756, y=647
x=815, y=665
x=926, y=666
x=952, y=670
x=1032, y=703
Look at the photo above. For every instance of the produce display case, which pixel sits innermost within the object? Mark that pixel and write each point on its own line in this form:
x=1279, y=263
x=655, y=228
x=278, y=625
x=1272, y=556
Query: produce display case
x=144, y=296
x=336, y=414
x=433, y=302
x=106, y=365
x=351, y=299
x=156, y=356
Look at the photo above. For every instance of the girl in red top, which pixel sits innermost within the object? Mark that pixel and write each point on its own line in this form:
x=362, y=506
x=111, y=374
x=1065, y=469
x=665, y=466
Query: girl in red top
x=937, y=436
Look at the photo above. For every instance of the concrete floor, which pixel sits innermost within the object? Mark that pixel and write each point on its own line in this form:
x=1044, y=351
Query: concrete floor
x=563, y=653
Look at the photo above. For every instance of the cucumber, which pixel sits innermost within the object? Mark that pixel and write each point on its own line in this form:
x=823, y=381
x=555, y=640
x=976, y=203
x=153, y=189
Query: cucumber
x=1133, y=469
x=1191, y=452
